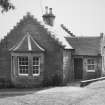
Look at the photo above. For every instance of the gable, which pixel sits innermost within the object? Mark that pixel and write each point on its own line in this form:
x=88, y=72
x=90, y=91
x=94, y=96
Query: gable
x=40, y=32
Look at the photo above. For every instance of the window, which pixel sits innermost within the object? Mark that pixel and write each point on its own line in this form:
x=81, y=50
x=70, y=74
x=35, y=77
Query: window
x=91, y=65
x=36, y=65
x=23, y=65
x=32, y=64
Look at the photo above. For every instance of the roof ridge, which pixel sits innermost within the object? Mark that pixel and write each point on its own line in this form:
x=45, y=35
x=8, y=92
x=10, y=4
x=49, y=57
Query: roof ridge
x=84, y=37
x=36, y=44
x=29, y=42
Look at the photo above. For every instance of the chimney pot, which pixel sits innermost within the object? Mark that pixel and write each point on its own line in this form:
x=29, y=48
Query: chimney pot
x=101, y=34
x=50, y=10
x=46, y=9
x=48, y=17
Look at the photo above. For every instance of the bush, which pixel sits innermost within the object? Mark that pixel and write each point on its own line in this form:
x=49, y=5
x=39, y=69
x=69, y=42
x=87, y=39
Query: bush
x=5, y=83
x=55, y=80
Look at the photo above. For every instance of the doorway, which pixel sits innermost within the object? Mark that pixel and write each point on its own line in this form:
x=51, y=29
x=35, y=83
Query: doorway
x=78, y=68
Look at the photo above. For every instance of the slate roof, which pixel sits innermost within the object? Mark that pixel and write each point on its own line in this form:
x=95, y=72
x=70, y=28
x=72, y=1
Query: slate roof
x=59, y=34
x=85, y=45
x=27, y=43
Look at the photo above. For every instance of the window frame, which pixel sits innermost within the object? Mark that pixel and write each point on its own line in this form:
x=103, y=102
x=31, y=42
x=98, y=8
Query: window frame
x=39, y=63
x=94, y=64
x=22, y=74
x=30, y=56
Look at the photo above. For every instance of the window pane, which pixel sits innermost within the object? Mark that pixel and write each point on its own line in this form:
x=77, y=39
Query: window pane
x=36, y=58
x=27, y=71
x=91, y=67
x=35, y=71
x=90, y=61
x=23, y=64
x=36, y=65
x=20, y=71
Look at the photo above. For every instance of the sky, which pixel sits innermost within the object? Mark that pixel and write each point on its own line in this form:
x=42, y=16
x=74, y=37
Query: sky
x=81, y=17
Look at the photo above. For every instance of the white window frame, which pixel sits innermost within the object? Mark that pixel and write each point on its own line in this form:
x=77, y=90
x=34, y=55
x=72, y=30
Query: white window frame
x=36, y=65
x=91, y=65
x=22, y=74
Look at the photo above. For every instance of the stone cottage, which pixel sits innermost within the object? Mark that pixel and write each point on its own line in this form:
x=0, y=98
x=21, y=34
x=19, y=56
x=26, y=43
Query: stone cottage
x=38, y=53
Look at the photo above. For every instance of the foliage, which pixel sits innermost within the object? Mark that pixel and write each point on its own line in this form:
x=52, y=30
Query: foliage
x=55, y=80
x=6, y=5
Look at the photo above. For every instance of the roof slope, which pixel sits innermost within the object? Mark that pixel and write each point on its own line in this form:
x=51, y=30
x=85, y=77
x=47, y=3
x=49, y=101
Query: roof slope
x=59, y=34
x=27, y=44
x=56, y=32
x=85, y=45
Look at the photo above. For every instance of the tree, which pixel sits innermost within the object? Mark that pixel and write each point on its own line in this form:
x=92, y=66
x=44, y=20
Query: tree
x=6, y=5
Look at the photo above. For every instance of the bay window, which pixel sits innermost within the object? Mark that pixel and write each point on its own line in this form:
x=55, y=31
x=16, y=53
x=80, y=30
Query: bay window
x=26, y=63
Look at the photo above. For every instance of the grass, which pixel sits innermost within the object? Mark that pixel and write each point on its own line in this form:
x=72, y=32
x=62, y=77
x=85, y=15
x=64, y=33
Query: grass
x=93, y=94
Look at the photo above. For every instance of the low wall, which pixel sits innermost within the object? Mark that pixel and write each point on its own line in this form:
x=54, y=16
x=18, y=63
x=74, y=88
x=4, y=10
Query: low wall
x=86, y=82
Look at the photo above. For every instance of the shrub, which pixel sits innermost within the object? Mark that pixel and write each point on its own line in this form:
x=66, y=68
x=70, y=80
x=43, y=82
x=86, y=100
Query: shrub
x=5, y=83
x=55, y=80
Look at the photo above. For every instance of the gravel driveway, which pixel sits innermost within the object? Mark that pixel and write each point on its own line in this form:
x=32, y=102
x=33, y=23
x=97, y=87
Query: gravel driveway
x=68, y=95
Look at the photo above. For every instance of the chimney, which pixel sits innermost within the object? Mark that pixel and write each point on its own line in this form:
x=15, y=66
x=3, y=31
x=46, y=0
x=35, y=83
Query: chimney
x=48, y=17
x=101, y=34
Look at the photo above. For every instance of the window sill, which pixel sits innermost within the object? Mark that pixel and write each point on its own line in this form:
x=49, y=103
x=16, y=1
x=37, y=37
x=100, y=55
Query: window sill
x=23, y=74
x=36, y=75
x=90, y=71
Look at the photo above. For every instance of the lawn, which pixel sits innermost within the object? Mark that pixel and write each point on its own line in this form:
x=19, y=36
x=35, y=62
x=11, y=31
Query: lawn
x=94, y=94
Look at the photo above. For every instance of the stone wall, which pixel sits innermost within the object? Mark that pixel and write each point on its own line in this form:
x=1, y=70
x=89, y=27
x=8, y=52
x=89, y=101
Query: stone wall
x=98, y=70
x=53, y=55
x=5, y=64
x=26, y=80
x=53, y=67
x=67, y=66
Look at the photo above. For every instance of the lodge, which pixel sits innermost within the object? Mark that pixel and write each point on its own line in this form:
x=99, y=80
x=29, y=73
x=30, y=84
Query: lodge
x=36, y=53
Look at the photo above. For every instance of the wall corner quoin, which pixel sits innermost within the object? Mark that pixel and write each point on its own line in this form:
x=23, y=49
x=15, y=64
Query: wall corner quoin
x=102, y=48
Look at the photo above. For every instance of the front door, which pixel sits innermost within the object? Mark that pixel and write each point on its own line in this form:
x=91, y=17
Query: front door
x=78, y=68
